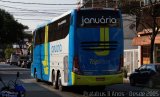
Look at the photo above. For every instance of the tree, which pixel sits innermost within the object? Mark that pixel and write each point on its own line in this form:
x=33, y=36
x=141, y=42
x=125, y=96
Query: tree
x=8, y=51
x=147, y=17
x=11, y=31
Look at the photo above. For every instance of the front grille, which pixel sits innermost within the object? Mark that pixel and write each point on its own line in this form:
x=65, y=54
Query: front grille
x=99, y=45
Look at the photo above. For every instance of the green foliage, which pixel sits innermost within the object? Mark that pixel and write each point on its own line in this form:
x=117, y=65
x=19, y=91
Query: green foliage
x=8, y=51
x=11, y=31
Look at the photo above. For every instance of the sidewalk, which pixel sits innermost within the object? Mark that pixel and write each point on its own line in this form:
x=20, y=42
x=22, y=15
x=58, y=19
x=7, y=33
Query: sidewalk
x=126, y=80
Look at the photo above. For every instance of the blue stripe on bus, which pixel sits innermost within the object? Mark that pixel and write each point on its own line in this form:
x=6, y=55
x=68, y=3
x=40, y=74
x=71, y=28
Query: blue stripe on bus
x=38, y=58
x=71, y=45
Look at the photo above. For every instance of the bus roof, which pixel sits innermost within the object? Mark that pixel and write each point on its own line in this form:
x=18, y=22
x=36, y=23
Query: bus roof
x=54, y=19
x=96, y=8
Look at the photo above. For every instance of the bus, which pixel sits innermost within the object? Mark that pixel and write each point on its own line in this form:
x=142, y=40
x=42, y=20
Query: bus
x=81, y=47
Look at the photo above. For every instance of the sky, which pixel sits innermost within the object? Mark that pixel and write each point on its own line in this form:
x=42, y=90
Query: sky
x=36, y=12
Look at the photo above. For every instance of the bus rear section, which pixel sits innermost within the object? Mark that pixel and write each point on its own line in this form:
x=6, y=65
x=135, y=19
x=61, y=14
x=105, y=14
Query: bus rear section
x=98, y=49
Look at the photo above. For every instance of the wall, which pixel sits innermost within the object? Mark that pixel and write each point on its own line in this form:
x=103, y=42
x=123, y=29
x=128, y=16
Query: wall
x=129, y=27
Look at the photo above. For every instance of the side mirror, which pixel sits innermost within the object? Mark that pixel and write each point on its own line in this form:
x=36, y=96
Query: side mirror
x=17, y=74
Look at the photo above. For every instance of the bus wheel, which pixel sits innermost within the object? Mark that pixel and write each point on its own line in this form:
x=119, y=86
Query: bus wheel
x=54, y=81
x=60, y=87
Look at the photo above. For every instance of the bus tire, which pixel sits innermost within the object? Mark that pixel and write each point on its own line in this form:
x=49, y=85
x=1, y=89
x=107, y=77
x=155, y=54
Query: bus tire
x=54, y=81
x=60, y=87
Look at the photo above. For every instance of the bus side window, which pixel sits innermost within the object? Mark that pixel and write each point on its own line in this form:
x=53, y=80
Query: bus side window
x=34, y=38
x=61, y=31
x=51, y=33
x=37, y=39
x=42, y=35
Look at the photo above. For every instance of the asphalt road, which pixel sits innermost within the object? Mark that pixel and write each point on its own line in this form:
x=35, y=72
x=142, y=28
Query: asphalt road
x=34, y=89
x=44, y=89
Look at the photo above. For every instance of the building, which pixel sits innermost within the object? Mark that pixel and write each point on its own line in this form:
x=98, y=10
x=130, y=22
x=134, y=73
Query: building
x=131, y=53
x=113, y=3
x=98, y=3
x=143, y=40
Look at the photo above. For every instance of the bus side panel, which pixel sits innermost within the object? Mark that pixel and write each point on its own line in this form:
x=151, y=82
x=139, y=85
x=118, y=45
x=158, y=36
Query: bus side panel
x=38, y=60
x=44, y=55
x=36, y=65
x=71, y=45
x=49, y=64
x=45, y=62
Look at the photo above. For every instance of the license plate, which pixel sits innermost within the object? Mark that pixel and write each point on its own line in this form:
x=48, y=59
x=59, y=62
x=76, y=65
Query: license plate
x=100, y=79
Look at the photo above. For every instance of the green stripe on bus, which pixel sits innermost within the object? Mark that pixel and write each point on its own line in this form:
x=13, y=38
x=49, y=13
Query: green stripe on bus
x=104, y=36
x=45, y=61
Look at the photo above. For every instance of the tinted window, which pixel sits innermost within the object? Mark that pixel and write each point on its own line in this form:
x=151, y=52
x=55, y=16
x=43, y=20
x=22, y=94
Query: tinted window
x=59, y=29
x=39, y=36
x=98, y=18
x=151, y=67
x=143, y=67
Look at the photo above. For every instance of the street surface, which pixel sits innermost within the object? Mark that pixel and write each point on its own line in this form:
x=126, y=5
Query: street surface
x=44, y=89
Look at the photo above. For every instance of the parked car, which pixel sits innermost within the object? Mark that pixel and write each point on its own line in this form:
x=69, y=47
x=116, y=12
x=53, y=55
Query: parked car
x=14, y=59
x=29, y=62
x=24, y=61
x=148, y=74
